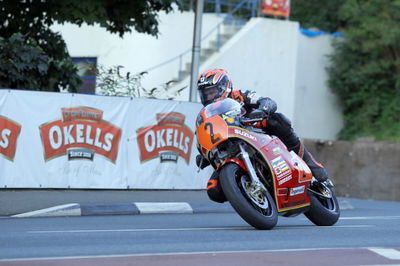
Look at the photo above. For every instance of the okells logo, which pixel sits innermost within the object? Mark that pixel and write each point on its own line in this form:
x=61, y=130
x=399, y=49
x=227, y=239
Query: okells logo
x=9, y=132
x=168, y=139
x=81, y=133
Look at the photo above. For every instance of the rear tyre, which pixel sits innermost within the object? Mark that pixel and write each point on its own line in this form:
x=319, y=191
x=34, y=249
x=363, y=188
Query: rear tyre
x=323, y=211
x=258, y=209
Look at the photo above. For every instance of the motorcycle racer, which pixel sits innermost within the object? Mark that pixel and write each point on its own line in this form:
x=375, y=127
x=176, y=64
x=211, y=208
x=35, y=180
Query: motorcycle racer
x=214, y=85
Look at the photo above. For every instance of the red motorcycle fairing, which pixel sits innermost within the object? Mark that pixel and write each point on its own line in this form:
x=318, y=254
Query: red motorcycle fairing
x=233, y=160
x=291, y=176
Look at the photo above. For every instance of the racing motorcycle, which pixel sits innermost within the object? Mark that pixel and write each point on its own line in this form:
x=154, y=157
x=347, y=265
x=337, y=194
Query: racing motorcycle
x=257, y=174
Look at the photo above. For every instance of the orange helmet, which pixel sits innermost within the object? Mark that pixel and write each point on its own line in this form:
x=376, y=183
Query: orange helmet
x=213, y=85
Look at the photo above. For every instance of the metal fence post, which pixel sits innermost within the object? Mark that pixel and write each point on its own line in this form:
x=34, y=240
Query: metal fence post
x=196, y=51
x=180, y=62
x=218, y=37
x=218, y=7
x=253, y=8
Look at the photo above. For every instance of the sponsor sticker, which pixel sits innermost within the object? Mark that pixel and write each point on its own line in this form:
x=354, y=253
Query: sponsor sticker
x=9, y=132
x=277, y=151
x=285, y=179
x=280, y=167
x=228, y=119
x=245, y=134
x=297, y=190
x=80, y=134
x=169, y=139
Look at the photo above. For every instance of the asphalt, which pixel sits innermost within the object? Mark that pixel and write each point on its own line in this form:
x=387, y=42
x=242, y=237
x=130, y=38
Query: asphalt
x=36, y=203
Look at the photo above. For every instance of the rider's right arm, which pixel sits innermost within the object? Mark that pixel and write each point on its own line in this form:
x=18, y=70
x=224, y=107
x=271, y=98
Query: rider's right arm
x=252, y=100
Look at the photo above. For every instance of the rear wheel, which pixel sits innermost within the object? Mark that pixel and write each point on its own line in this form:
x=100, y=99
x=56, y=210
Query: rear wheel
x=324, y=211
x=256, y=208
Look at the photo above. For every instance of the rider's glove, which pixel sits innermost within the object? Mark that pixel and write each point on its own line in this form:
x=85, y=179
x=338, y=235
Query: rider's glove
x=267, y=105
x=268, y=112
x=201, y=162
x=260, y=115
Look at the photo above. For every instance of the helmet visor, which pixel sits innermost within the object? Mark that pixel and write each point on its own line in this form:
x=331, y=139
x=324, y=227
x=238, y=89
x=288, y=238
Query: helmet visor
x=209, y=94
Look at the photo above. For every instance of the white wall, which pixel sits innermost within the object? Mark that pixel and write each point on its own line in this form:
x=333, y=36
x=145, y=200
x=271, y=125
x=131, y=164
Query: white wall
x=137, y=51
x=261, y=57
x=317, y=109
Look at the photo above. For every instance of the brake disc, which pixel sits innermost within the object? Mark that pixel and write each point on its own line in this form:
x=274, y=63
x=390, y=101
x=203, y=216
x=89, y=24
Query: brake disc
x=255, y=194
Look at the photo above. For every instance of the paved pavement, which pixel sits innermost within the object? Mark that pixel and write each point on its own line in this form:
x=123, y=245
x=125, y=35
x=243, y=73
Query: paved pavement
x=28, y=202
x=97, y=202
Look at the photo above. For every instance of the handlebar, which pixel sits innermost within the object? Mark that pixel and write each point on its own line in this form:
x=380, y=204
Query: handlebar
x=250, y=120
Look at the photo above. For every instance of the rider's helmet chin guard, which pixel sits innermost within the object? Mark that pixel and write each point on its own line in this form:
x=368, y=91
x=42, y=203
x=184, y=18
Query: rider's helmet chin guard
x=213, y=85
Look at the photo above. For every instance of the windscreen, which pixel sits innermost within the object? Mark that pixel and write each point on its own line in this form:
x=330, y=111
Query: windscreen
x=227, y=106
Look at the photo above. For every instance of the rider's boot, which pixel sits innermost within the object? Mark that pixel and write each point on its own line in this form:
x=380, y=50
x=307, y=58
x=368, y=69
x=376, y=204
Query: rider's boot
x=214, y=190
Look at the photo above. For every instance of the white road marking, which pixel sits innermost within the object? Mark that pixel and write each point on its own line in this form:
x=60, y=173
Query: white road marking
x=182, y=253
x=326, y=227
x=192, y=229
x=388, y=253
x=164, y=207
x=385, y=265
x=370, y=218
x=72, y=209
x=142, y=230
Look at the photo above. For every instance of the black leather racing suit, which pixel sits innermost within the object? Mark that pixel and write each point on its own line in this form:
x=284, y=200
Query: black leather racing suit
x=279, y=125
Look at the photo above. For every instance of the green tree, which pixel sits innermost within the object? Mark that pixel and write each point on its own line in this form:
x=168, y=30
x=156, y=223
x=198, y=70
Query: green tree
x=324, y=15
x=365, y=69
x=24, y=65
x=32, y=20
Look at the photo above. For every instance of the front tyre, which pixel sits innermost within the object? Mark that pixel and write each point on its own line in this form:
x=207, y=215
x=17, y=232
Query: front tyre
x=323, y=211
x=258, y=209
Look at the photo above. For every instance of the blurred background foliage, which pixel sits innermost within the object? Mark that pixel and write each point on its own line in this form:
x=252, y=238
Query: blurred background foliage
x=365, y=69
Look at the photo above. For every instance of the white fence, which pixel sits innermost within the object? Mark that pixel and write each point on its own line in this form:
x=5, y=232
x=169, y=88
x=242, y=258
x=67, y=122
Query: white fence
x=55, y=140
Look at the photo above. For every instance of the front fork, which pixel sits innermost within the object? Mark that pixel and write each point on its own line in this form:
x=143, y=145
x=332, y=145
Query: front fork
x=256, y=185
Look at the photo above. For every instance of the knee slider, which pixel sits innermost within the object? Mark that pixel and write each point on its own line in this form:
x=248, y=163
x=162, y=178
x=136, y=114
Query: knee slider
x=214, y=190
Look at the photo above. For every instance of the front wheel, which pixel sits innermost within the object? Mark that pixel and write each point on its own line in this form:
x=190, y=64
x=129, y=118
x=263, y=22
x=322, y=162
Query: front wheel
x=257, y=209
x=323, y=211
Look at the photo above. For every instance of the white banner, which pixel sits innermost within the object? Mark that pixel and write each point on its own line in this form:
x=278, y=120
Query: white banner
x=56, y=140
